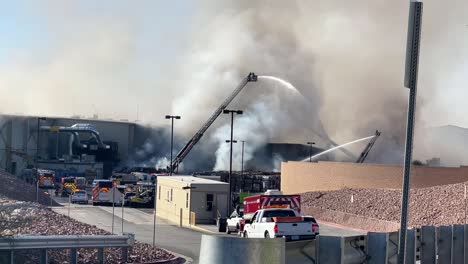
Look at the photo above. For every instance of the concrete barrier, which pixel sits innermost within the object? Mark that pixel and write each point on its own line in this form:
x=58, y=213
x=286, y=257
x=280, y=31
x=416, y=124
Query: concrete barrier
x=227, y=250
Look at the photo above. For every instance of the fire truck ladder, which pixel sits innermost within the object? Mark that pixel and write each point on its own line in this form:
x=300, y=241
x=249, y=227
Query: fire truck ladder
x=192, y=142
x=368, y=148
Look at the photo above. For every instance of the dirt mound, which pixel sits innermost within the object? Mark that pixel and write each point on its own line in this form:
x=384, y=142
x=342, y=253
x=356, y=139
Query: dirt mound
x=17, y=189
x=440, y=205
x=32, y=219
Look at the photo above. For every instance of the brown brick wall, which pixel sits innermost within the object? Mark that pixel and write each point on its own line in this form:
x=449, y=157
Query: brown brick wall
x=299, y=177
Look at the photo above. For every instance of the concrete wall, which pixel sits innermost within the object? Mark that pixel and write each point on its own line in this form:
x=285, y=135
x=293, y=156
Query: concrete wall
x=299, y=177
x=178, y=208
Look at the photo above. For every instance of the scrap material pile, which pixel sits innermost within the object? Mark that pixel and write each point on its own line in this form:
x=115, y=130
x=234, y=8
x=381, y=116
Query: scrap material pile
x=17, y=189
x=440, y=205
x=30, y=218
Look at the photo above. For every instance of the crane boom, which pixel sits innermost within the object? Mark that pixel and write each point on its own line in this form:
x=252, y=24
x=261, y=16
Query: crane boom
x=368, y=148
x=194, y=140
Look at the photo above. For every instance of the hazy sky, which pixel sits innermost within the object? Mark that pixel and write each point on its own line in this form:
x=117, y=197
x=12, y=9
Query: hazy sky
x=108, y=56
x=84, y=57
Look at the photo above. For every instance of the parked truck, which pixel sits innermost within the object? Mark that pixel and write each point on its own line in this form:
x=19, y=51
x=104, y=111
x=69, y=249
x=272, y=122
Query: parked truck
x=45, y=179
x=105, y=192
x=280, y=222
x=270, y=199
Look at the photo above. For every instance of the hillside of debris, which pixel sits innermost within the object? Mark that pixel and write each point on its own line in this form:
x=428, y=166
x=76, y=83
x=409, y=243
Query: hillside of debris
x=17, y=189
x=440, y=205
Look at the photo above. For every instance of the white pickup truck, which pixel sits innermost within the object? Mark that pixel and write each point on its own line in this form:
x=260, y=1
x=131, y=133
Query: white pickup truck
x=272, y=223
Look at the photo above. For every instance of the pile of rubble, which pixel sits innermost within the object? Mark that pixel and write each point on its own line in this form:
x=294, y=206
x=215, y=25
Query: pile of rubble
x=33, y=219
x=440, y=205
x=17, y=189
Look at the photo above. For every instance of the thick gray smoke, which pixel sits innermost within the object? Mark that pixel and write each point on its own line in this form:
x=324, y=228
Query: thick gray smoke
x=345, y=57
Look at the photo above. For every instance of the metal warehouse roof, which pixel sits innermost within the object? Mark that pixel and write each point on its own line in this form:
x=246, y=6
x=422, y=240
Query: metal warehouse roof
x=190, y=179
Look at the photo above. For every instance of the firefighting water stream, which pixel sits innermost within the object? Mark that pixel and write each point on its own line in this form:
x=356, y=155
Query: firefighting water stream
x=285, y=83
x=337, y=147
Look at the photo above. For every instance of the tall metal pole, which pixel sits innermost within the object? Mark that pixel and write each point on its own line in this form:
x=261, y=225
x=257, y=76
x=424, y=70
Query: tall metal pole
x=154, y=219
x=310, y=153
x=37, y=141
x=123, y=201
x=172, y=141
x=113, y=207
x=411, y=79
x=242, y=159
x=230, y=165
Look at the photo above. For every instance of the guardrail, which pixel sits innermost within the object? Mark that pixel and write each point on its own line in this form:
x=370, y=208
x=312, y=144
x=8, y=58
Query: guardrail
x=425, y=245
x=43, y=243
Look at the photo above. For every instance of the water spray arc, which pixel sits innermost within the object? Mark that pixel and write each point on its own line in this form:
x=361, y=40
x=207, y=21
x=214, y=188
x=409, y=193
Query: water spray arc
x=285, y=83
x=337, y=147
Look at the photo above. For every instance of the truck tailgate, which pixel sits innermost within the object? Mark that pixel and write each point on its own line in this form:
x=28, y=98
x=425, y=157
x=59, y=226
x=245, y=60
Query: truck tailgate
x=295, y=229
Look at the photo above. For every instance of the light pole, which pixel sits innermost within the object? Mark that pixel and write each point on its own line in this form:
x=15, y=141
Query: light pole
x=232, y=112
x=242, y=158
x=172, y=136
x=37, y=156
x=310, y=150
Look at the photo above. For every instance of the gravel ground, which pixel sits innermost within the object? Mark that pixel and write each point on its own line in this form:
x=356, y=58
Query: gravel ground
x=440, y=205
x=29, y=218
x=34, y=219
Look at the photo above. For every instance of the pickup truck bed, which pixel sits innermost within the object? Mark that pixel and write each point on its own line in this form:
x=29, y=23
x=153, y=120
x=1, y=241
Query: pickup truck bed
x=271, y=223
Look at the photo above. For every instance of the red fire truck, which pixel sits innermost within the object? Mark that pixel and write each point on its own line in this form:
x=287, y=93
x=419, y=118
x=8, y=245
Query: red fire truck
x=270, y=199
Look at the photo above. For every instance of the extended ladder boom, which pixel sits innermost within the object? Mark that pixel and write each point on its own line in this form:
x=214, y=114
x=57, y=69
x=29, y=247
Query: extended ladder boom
x=194, y=140
x=368, y=148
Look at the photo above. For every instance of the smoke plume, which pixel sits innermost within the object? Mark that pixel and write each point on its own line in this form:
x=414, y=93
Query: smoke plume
x=345, y=57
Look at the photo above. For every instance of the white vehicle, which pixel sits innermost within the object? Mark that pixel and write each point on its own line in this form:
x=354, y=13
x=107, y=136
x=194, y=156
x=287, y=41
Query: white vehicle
x=233, y=222
x=79, y=197
x=272, y=223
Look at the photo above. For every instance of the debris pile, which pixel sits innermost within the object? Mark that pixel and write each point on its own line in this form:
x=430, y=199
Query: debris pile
x=33, y=219
x=17, y=189
x=439, y=205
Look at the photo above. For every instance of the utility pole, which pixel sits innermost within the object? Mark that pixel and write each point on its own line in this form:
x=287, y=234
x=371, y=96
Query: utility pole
x=38, y=134
x=242, y=159
x=411, y=80
x=172, y=138
x=310, y=150
x=231, y=112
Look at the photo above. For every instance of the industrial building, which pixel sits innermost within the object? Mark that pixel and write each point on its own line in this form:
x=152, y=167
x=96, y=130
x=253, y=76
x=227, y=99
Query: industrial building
x=188, y=200
x=82, y=146
x=300, y=177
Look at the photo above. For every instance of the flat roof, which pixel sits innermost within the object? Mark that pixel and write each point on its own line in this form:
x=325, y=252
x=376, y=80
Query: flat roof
x=190, y=179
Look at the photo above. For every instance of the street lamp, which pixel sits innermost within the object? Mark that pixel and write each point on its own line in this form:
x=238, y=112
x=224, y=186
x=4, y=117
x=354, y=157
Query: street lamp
x=310, y=150
x=242, y=159
x=232, y=112
x=38, y=137
x=172, y=136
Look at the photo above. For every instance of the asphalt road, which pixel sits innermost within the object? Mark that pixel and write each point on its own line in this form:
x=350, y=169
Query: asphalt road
x=140, y=222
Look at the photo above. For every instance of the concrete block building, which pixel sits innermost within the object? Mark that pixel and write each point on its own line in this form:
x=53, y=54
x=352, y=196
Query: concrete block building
x=188, y=200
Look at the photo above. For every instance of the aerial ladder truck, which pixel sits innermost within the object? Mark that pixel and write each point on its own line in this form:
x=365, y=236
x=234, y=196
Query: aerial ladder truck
x=194, y=140
x=368, y=148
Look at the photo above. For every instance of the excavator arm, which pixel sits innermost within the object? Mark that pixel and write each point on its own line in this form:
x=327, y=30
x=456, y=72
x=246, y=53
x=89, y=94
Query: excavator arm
x=198, y=135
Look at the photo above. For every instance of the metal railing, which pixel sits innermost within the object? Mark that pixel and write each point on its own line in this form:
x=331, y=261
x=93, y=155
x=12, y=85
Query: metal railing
x=43, y=243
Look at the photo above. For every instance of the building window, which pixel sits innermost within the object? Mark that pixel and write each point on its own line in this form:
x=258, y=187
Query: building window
x=209, y=201
x=159, y=193
x=186, y=200
x=171, y=195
